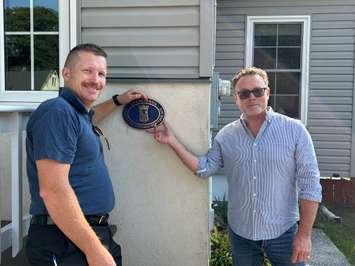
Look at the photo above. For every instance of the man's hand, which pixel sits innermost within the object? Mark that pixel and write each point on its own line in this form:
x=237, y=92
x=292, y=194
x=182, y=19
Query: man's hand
x=100, y=257
x=163, y=134
x=302, y=244
x=131, y=95
x=301, y=248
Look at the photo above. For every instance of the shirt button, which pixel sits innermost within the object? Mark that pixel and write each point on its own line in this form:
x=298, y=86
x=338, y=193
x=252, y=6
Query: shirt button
x=254, y=211
x=254, y=195
x=254, y=177
x=254, y=160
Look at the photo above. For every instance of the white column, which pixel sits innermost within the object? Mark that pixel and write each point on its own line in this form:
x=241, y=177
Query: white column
x=16, y=182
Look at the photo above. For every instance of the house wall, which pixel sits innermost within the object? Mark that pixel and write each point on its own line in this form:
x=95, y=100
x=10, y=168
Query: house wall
x=152, y=38
x=166, y=48
x=162, y=208
x=331, y=75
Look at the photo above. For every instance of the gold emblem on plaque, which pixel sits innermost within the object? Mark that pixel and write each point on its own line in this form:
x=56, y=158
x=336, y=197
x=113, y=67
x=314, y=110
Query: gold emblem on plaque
x=143, y=113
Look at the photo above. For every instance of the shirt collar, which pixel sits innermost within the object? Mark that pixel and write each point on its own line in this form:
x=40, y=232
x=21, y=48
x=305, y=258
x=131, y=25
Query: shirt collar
x=269, y=115
x=74, y=101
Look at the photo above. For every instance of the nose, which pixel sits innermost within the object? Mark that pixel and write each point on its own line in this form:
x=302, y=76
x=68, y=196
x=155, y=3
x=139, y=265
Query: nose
x=251, y=96
x=95, y=76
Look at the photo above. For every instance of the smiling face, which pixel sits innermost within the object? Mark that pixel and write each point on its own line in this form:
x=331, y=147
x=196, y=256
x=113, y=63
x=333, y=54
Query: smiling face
x=86, y=76
x=252, y=107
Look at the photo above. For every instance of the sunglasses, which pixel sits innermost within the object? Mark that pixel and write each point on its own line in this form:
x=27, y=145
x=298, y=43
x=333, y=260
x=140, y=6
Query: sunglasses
x=99, y=133
x=245, y=93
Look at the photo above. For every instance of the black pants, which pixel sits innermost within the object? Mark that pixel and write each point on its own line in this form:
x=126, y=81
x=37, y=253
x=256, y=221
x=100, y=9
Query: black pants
x=47, y=243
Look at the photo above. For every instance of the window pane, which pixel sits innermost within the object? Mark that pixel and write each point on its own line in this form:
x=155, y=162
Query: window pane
x=272, y=102
x=17, y=15
x=45, y=15
x=265, y=58
x=289, y=35
x=288, y=82
x=17, y=62
x=287, y=105
x=46, y=63
x=272, y=77
x=265, y=34
x=288, y=58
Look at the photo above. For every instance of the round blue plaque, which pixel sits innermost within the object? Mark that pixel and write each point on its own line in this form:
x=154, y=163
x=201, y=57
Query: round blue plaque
x=143, y=114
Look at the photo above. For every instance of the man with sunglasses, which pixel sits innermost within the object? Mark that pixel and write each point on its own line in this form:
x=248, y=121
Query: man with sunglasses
x=272, y=173
x=71, y=190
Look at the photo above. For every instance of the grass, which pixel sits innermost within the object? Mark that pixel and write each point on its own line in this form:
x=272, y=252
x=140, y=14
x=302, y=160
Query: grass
x=341, y=234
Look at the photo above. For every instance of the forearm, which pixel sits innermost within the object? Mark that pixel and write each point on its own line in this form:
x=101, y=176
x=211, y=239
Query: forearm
x=102, y=110
x=308, y=213
x=64, y=209
x=188, y=158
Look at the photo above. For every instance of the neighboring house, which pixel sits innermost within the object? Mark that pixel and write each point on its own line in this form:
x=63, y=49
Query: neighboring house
x=164, y=47
x=307, y=47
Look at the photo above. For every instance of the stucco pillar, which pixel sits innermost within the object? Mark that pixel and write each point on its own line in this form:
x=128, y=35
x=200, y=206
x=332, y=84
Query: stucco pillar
x=161, y=208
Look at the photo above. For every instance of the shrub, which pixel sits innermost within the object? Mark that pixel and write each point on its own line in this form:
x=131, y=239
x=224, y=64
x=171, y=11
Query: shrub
x=221, y=254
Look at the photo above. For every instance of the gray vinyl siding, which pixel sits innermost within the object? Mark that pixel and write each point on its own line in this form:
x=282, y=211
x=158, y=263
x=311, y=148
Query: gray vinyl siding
x=152, y=38
x=331, y=73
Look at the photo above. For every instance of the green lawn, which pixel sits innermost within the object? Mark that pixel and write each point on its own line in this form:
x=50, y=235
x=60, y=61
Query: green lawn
x=341, y=234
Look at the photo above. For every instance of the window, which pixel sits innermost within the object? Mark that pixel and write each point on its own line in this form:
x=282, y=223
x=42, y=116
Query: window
x=34, y=41
x=280, y=46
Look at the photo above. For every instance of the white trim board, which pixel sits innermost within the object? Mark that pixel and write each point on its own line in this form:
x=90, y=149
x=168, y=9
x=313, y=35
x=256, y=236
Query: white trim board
x=306, y=22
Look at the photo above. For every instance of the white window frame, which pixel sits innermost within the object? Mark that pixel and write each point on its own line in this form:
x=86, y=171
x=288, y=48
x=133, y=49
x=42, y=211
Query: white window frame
x=306, y=21
x=67, y=40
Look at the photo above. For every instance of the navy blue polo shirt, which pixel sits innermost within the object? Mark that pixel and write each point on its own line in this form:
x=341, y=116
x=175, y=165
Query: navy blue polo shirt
x=61, y=129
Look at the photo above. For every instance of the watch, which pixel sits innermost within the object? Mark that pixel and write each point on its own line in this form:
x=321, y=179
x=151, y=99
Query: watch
x=115, y=100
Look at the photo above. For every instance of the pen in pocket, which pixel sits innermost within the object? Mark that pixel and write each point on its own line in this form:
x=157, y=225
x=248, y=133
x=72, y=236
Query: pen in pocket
x=54, y=260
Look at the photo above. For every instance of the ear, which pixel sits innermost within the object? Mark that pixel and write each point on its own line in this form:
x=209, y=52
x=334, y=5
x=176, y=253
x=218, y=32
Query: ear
x=268, y=92
x=66, y=73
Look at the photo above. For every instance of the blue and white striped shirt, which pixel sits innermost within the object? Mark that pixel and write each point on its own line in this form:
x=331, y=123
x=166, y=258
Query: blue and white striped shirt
x=267, y=174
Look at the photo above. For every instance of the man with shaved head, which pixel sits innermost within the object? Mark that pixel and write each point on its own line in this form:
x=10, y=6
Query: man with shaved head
x=71, y=190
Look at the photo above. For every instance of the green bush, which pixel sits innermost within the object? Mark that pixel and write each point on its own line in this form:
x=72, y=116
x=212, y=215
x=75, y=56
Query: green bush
x=221, y=254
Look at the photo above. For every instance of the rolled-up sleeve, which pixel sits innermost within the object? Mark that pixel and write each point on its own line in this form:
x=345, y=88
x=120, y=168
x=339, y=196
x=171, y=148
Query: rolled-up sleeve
x=210, y=163
x=307, y=172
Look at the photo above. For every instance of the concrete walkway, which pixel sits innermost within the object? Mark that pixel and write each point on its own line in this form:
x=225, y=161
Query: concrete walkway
x=324, y=252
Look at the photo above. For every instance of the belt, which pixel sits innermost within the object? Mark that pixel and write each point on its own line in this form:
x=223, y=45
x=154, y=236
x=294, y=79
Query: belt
x=91, y=219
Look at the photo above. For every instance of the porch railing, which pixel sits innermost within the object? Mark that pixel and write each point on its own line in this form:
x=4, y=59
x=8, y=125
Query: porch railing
x=13, y=120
